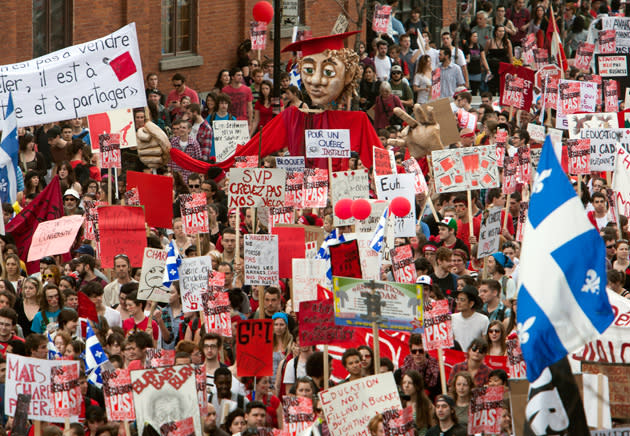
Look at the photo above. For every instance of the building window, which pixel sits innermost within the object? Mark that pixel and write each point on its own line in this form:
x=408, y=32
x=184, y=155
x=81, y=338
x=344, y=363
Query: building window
x=52, y=25
x=179, y=18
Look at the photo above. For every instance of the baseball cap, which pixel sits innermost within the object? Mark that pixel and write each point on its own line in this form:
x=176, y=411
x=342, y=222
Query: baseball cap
x=424, y=280
x=48, y=260
x=449, y=222
x=397, y=68
x=429, y=246
x=86, y=249
x=446, y=399
x=502, y=260
x=72, y=193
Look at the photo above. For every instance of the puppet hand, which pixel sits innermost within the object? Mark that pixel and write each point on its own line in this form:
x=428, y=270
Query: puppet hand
x=422, y=134
x=153, y=145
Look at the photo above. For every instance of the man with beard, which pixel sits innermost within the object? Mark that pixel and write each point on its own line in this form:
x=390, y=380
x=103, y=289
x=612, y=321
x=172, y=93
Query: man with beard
x=447, y=420
x=71, y=203
x=85, y=268
x=210, y=423
x=122, y=267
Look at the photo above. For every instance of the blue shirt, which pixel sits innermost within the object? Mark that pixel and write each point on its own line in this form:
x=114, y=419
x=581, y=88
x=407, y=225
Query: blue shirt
x=38, y=325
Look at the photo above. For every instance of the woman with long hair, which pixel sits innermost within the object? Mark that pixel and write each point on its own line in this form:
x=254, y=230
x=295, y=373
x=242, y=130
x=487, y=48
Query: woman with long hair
x=496, y=337
x=27, y=305
x=51, y=275
x=460, y=389
x=497, y=50
x=33, y=183
x=13, y=272
x=422, y=80
x=223, y=80
x=28, y=158
x=472, y=50
x=262, y=393
x=263, y=112
x=622, y=262
x=293, y=97
x=214, y=225
x=209, y=106
x=413, y=387
x=50, y=303
x=368, y=88
x=367, y=360
x=67, y=178
x=282, y=340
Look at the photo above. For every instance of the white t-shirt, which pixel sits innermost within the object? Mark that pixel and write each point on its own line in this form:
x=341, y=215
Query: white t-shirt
x=289, y=372
x=465, y=330
x=383, y=68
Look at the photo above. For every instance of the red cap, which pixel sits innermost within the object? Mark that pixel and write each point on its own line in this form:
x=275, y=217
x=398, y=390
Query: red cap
x=319, y=44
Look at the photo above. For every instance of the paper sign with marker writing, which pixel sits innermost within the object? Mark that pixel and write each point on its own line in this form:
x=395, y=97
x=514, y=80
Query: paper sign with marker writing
x=261, y=260
x=399, y=185
x=536, y=132
x=194, y=212
x=290, y=163
x=54, y=236
x=349, y=184
x=464, y=169
x=227, y=135
x=490, y=233
x=438, y=328
x=604, y=143
x=193, y=281
x=345, y=260
x=307, y=274
x=254, y=350
x=151, y=286
x=384, y=162
x=75, y=82
x=115, y=122
x=327, y=143
x=256, y=187
x=317, y=324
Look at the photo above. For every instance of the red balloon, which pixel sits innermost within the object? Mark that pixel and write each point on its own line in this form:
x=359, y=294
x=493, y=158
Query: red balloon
x=343, y=208
x=263, y=12
x=361, y=209
x=400, y=206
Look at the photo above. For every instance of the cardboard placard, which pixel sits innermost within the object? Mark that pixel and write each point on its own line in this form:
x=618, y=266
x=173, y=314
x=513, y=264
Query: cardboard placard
x=156, y=193
x=193, y=281
x=290, y=163
x=307, y=274
x=399, y=185
x=508, y=72
x=584, y=55
x=317, y=324
x=117, y=123
x=411, y=166
x=604, y=143
x=294, y=190
x=512, y=94
x=327, y=143
x=118, y=397
x=261, y=260
x=151, y=286
x=109, y=147
x=383, y=161
x=54, y=237
x=216, y=313
x=611, y=96
x=122, y=230
x=619, y=376
x=251, y=187
x=348, y=184
x=254, y=348
x=438, y=326
x=297, y=414
x=315, y=188
x=577, y=122
x=194, y=212
x=579, y=154
x=484, y=414
x=536, y=132
x=228, y=134
x=344, y=259
x=606, y=41
x=66, y=395
x=464, y=169
x=403, y=264
x=443, y=114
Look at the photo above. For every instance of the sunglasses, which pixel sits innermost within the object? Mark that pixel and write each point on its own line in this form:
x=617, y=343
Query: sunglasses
x=194, y=186
x=494, y=331
x=123, y=256
x=417, y=351
x=610, y=246
x=478, y=349
x=177, y=85
x=48, y=276
x=70, y=199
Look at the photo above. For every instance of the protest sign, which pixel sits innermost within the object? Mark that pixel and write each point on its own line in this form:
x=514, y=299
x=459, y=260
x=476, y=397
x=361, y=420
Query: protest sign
x=194, y=212
x=619, y=376
x=20, y=420
x=307, y=274
x=529, y=45
x=501, y=142
x=611, y=96
x=398, y=422
x=604, y=143
x=579, y=154
x=122, y=230
x=193, y=281
x=297, y=414
x=165, y=395
x=464, y=169
x=151, y=286
x=403, y=264
x=254, y=348
x=281, y=215
x=91, y=218
x=436, y=84
x=258, y=34
x=411, y=166
x=256, y=187
x=183, y=427
x=490, y=233
x=327, y=143
x=291, y=243
x=245, y=161
x=606, y=41
x=290, y=163
x=294, y=189
x=438, y=328
x=216, y=313
x=227, y=135
x=576, y=96
x=315, y=188
x=261, y=260
x=621, y=182
x=399, y=185
x=341, y=25
x=383, y=161
x=484, y=414
x=393, y=306
x=317, y=324
x=118, y=397
x=344, y=259
x=350, y=406
x=510, y=164
x=523, y=168
x=513, y=92
x=536, y=132
x=156, y=193
x=507, y=72
x=65, y=389
x=466, y=120
x=595, y=121
x=109, y=147
x=584, y=55
x=75, y=82
x=382, y=15
x=515, y=360
x=612, y=65
x=33, y=376
x=522, y=218
x=621, y=27
x=158, y=357
x=370, y=259
x=541, y=56
x=54, y=236
x=349, y=184
x=118, y=122
x=200, y=383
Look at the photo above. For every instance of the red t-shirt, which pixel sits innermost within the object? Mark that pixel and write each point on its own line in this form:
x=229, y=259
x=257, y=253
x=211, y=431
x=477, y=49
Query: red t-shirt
x=241, y=97
x=130, y=326
x=4, y=345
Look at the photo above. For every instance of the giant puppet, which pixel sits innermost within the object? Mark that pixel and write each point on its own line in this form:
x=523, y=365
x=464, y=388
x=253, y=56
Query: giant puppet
x=330, y=75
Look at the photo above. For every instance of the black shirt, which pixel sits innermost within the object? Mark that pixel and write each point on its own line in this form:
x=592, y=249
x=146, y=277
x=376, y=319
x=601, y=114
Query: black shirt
x=456, y=430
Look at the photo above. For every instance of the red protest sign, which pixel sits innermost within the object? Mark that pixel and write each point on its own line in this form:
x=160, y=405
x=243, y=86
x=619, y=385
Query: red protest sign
x=515, y=360
x=382, y=161
x=529, y=45
x=541, y=56
x=523, y=168
x=584, y=55
x=513, y=93
x=607, y=41
x=507, y=72
x=297, y=414
x=254, y=348
x=258, y=34
x=109, y=146
x=484, y=414
x=569, y=95
x=345, y=260
x=315, y=187
x=522, y=218
x=118, y=398
x=65, y=390
x=184, y=427
x=91, y=218
x=216, y=313
x=156, y=194
x=438, y=329
x=317, y=324
x=293, y=191
x=245, y=161
x=398, y=422
x=403, y=264
x=611, y=96
x=579, y=154
x=291, y=244
x=122, y=230
x=380, y=21
x=158, y=357
x=436, y=84
x=194, y=213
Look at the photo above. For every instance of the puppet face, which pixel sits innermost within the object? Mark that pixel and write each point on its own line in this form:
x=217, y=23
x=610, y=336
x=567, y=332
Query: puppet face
x=324, y=76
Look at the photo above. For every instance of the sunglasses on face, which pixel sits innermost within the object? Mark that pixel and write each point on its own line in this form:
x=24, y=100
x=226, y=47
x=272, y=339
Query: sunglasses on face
x=194, y=186
x=417, y=351
x=478, y=349
x=494, y=331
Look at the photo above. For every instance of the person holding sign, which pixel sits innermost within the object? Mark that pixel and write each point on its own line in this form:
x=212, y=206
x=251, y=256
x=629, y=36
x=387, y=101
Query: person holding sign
x=137, y=320
x=413, y=389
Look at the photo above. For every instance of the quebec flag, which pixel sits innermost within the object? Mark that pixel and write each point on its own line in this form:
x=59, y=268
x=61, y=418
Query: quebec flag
x=9, y=147
x=94, y=357
x=562, y=299
x=173, y=261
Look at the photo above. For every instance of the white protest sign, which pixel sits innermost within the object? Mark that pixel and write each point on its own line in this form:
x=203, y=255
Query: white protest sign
x=290, y=163
x=256, y=187
x=349, y=184
x=370, y=259
x=151, y=286
x=307, y=274
x=75, y=81
x=193, y=281
x=621, y=26
x=369, y=224
x=604, y=143
x=536, y=132
x=621, y=182
x=327, y=143
x=489, y=234
x=261, y=260
x=411, y=166
x=227, y=135
x=117, y=121
x=31, y=375
x=54, y=236
x=350, y=406
x=399, y=185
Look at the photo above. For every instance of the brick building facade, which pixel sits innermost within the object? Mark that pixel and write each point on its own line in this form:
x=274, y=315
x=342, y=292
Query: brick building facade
x=216, y=27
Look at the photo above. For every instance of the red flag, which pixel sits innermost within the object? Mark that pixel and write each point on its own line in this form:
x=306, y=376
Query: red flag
x=48, y=205
x=557, y=50
x=87, y=309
